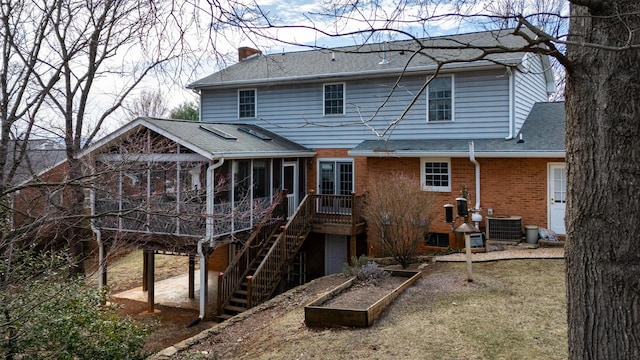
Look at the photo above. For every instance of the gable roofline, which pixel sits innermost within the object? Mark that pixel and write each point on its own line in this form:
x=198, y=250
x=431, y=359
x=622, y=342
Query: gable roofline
x=191, y=135
x=132, y=127
x=493, y=48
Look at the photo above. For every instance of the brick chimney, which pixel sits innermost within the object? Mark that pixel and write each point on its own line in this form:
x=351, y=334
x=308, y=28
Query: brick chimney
x=245, y=51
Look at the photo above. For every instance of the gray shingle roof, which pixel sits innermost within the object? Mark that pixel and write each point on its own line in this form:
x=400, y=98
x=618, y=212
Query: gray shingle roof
x=543, y=134
x=213, y=140
x=488, y=46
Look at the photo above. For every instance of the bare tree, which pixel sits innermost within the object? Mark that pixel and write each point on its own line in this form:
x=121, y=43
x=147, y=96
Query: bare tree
x=398, y=215
x=151, y=103
x=602, y=114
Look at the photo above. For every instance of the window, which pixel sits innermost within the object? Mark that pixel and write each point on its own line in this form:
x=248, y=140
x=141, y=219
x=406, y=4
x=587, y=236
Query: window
x=436, y=239
x=334, y=99
x=247, y=103
x=436, y=175
x=440, y=99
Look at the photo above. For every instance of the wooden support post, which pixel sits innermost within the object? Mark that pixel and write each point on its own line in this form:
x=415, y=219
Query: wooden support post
x=204, y=284
x=219, y=310
x=352, y=247
x=145, y=267
x=192, y=269
x=249, y=291
x=104, y=271
x=150, y=280
x=467, y=244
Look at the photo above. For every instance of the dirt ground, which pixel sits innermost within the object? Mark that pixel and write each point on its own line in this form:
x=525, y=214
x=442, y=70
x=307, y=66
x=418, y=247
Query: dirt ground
x=168, y=324
x=228, y=341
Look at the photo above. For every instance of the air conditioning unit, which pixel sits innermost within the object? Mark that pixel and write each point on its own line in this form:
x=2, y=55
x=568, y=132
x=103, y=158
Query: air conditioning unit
x=507, y=228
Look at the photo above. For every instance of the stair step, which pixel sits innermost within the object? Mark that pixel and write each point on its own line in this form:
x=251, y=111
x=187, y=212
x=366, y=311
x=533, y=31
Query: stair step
x=223, y=317
x=238, y=300
x=237, y=309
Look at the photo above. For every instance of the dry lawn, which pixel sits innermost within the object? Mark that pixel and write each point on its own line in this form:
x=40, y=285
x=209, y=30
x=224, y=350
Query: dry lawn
x=125, y=269
x=515, y=309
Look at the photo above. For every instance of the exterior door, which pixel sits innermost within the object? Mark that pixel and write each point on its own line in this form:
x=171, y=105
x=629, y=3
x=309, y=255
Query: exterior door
x=335, y=253
x=557, y=197
x=290, y=182
x=335, y=177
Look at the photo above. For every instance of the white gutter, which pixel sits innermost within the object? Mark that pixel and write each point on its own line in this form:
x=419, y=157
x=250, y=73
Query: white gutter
x=459, y=154
x=204, y=291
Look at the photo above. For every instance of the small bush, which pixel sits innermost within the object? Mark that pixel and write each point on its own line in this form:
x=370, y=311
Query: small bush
x=364, y=270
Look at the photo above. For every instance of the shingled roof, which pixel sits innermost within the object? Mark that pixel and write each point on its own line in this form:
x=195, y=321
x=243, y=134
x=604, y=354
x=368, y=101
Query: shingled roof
x=419, y=55
x=542, y=136
x=214, y=140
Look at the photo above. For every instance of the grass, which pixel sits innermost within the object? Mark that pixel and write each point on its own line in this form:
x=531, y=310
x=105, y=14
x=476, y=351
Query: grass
x=514, y=309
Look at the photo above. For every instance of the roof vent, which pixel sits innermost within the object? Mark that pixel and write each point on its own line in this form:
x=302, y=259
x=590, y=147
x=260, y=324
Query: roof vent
x=215, y=131
x=384, y=54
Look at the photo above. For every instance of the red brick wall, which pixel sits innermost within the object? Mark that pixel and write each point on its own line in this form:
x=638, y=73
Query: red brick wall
x=516, y=187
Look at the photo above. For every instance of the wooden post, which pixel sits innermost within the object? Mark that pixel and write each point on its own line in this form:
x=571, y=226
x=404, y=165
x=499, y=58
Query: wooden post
x=150, y=281
x=145, y=266
x=192, y=267
x=467, y=244
x=219, y=310
x=104, y=267
x=352, y=247
x=249, y=291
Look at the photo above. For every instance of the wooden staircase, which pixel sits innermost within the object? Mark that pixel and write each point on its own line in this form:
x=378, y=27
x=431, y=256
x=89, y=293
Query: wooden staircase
x=262, y=264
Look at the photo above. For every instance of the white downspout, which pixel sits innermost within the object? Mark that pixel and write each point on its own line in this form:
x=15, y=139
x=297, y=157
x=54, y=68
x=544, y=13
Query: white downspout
x=208, y=237
x=511, y=103
x=475, y=215
x=94, y=228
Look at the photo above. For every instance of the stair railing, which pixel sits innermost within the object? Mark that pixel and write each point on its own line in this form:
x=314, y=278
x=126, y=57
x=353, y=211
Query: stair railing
x=235, y=273
x=267, y=276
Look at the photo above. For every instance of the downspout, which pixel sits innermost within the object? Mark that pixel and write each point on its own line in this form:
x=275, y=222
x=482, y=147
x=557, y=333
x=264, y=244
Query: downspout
x=96, y=231
x=511, y=103
x=208, y=237
x=475, y=212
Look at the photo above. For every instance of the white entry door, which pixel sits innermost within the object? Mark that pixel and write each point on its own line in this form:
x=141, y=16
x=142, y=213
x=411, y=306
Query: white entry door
x=557, y=196
x=335, y=253
x=290, y=182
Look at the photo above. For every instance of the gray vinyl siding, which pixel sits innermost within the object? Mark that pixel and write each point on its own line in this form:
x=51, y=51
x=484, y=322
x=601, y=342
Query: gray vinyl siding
x=530, y=87
x=481, y=110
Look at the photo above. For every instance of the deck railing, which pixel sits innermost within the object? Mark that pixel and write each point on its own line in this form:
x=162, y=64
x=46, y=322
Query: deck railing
x=264, y=280
x=238, y=269
x=338, y=209
x=334, y=209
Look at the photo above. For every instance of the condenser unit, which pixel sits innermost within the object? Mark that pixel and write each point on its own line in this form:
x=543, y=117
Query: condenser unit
x=507, y=228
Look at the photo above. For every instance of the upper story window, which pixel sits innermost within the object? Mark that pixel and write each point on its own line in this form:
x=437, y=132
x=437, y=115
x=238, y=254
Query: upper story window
x=334, y=99
x=435, y=174
x=440, y=99
x=247, y=103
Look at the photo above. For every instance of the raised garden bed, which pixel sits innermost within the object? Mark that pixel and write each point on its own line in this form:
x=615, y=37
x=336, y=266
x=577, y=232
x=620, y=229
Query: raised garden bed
x=325, y=311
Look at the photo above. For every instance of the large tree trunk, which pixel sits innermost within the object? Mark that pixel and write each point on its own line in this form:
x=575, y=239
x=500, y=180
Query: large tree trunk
x=603, y=164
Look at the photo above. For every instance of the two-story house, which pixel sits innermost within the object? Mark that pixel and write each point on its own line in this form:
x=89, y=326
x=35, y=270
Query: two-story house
x=454, y=111
x=466, y=110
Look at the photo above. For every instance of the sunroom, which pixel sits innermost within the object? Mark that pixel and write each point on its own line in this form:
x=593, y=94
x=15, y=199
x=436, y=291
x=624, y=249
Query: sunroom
x=183, y=187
